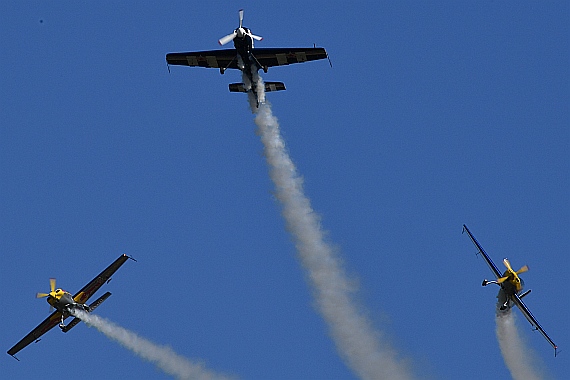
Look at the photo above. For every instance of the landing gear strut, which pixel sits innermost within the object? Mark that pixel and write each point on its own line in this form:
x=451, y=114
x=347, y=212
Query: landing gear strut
x=61, y=324
x=487, y=282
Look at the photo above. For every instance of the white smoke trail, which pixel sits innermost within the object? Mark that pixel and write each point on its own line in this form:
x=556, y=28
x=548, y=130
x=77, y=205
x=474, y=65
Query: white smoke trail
x=518, y=358
x=161, y=356
x=363, y=348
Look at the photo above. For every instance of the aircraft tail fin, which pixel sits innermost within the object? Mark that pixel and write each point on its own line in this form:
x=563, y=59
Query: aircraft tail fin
x=269, y=86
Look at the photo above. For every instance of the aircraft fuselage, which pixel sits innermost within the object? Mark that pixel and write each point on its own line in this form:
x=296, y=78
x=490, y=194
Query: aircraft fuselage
x=513, y=285
x=64, y=303
x=247, y=63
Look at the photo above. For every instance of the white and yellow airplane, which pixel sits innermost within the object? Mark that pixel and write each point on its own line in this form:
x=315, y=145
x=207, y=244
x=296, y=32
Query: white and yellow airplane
x=511, y=287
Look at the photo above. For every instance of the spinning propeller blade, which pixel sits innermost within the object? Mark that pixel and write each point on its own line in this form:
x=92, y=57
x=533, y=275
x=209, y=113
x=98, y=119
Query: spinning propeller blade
x=51, y=293
x=502, y=279
x=241, y=31
x=228, y=38
x=507, y=264
x=510, y=270
x=51, y=286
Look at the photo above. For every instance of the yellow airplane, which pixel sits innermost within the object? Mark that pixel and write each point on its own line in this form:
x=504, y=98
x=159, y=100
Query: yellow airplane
x=64, y=303
x=511, y=287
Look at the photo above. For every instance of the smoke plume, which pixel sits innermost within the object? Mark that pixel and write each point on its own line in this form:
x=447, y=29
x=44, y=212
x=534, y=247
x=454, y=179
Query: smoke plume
x=518, y=358
x=161, y=356
x=363, y=348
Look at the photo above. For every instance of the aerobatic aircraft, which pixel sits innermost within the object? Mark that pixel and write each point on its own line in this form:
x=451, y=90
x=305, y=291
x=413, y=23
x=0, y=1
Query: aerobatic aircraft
x=64, y=303
x=511, y=287
x=247, y=59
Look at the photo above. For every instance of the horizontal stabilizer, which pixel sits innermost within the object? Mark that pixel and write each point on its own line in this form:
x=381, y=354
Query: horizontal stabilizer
x=274, y=86
x=92, y=307
x=269, y=86
x=99, y=301
x=237, y=87
x=524, y=294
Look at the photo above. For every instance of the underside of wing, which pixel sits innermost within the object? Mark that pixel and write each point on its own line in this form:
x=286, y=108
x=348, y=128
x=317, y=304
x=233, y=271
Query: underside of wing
x=480, y=250
x=269, y=57
x=225, y=59
x=40, y=330
x=528, y=315
x=88, y=290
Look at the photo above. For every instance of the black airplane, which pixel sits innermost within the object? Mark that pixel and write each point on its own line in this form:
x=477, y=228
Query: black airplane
x=248, y=60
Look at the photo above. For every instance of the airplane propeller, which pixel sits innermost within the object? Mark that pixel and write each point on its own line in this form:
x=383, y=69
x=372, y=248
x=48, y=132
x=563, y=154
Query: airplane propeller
x=239, y=32
x=51, y=293
x=228, y=38
x=510, y=269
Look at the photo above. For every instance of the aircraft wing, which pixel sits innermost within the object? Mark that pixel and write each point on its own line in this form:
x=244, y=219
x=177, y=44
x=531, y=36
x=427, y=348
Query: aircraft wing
x=225, y=58
x=480, y=250
x=526, y=312
x=88, y=290
x=41, y=329
x=269, y=57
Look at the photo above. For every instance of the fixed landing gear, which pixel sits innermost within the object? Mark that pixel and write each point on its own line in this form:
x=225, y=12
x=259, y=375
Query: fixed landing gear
x=61, y=324
x=487, y=282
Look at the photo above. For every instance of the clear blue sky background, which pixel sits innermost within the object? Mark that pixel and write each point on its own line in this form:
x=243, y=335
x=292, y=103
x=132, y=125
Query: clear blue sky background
x=434, y=115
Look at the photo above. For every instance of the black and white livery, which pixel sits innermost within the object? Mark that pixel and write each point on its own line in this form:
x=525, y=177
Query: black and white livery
x=243, y=57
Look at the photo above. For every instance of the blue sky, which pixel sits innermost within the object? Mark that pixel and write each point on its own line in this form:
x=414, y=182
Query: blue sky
x=433, y=115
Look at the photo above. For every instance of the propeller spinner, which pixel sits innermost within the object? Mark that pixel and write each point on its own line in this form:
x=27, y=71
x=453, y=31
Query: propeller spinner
x=240, y=32
x=510, y=269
